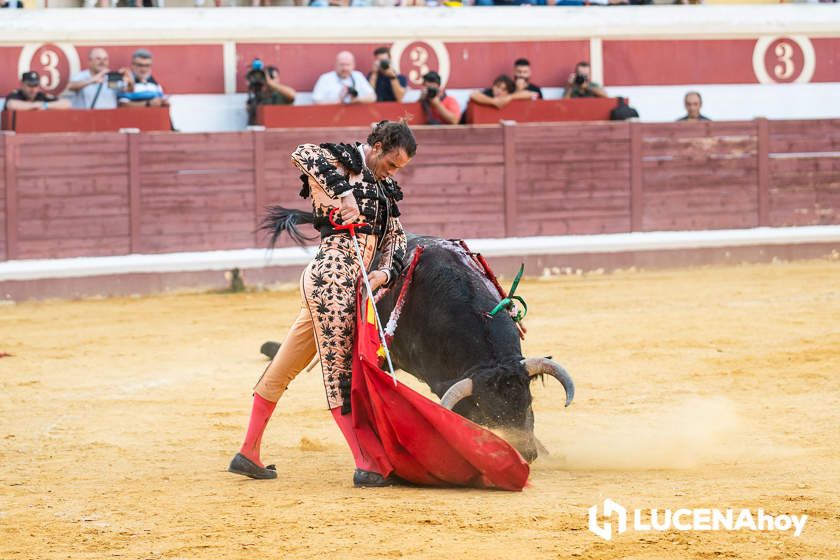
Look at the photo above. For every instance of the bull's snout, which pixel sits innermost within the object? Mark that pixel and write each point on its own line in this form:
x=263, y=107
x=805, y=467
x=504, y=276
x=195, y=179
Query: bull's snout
x=524, y=442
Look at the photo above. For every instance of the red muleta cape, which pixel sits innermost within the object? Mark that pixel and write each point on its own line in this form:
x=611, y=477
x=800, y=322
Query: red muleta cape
x=415, y=438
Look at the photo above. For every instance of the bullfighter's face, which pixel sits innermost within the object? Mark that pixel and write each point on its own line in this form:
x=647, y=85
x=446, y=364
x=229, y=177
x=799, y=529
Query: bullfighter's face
x=386, y=164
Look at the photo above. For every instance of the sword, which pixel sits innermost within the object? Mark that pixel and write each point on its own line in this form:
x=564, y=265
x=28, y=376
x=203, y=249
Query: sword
x=351, y=228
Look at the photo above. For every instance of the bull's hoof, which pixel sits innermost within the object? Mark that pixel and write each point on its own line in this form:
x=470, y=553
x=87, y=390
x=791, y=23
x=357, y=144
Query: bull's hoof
x=370, y=479
x=269, y=349
x=240, y=464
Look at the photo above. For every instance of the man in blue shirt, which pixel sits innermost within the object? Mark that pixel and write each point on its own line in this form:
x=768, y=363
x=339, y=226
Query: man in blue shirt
x=389, y=85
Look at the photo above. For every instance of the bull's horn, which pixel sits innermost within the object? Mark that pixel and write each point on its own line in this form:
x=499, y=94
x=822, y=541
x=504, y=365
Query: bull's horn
x=537, y=366
x=460, y=390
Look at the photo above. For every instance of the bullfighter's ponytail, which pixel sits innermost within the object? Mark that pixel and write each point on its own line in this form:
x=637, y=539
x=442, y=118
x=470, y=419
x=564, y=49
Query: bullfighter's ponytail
x=393, y=136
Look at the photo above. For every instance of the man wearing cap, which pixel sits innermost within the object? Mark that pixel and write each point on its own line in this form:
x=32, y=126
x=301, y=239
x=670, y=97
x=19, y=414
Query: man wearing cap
x=29, y=96
x=438, y=107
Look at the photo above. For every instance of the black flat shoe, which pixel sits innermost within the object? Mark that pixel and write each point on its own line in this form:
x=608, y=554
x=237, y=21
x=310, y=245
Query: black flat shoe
x=269, y=349
x=370, y=479
x=240, y=464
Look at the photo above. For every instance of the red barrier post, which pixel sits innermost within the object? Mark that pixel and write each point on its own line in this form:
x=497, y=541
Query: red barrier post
x=636, y=178
x=10, y=154
x=763, y=156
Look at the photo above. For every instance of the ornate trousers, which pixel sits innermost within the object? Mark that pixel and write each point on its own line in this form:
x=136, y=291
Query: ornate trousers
x=325, y=323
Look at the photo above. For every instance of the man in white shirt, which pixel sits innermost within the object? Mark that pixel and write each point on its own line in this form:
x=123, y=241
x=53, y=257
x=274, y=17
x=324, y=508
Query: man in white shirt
x=345, y=84
x=91, y=87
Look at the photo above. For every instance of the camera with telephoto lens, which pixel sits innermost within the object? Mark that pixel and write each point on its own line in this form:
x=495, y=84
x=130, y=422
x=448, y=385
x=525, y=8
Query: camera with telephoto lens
x=580, y=79
x=384, y=64
x=432, y=92
x=114, y=79
x=256, y=75
x=352, y=92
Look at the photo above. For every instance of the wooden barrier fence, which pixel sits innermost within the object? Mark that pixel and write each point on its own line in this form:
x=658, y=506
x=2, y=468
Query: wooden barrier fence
x=94, y=194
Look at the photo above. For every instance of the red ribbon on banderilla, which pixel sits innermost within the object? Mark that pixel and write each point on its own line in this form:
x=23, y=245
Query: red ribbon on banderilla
x=351, y=229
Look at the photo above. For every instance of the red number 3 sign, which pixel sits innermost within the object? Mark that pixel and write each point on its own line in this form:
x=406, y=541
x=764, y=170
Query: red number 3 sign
x=784, y=60
x=415, y=58
x=54, y=62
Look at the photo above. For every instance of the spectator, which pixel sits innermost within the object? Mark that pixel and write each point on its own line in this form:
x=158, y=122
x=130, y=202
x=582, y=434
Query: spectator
x=509, y=2
x=623, y=111
x=693, y=103
x=388, y=85
x=96, y=87
x=141, y=89
x=522, y=78
x=345, y=84
x=580, y=85
x=264, y=88
x=438, y=107
x=29, y=96
x=500, y=94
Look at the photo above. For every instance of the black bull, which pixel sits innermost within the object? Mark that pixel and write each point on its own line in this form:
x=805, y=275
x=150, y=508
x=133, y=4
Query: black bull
x=472, y=361
x=446, y=338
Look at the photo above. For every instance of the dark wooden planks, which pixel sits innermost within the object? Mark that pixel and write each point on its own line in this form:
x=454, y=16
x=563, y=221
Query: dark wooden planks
x=804, y=172
x=72, y=195
x=454, y=187
x=699, y=175
x=573, y=178
x=106, y=193
x=197, y=192
x=4, y=139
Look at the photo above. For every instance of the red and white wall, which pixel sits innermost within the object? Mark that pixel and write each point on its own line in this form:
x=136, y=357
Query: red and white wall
x=778, y=61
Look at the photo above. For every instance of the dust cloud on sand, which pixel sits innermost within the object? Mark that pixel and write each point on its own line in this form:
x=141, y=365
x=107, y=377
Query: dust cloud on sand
x=682, y=436
x=118, y=418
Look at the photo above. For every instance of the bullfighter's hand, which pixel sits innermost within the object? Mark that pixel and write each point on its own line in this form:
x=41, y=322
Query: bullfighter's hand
x=349, y=210
x=377, y=278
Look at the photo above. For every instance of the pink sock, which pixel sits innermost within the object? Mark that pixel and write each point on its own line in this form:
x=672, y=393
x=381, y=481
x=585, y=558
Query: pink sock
x=260, y=413
x=345, y=424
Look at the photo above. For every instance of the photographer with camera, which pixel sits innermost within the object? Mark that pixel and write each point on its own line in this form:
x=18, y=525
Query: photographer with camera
x=438, y=107
x=345, y=84
x=388, y=85
x=97, y=87
x=579, y=84
x=264, y=88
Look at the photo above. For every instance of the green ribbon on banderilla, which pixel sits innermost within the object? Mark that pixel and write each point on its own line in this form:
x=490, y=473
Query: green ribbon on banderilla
x=509, y=304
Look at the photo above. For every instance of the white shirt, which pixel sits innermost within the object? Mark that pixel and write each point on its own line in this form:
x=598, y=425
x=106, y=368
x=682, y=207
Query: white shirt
x=328, y=87
x=83, y=98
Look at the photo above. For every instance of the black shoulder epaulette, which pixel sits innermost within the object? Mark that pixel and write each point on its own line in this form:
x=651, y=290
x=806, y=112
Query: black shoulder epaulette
x=392, y=189
x=347, y=155
x=394, y=194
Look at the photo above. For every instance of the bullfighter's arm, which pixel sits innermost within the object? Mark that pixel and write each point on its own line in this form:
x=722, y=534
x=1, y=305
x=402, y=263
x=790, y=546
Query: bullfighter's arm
x=392, y=258
x=322, y=166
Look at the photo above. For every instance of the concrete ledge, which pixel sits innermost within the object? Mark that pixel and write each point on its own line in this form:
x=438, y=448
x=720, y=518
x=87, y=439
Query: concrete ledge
x=144, y=274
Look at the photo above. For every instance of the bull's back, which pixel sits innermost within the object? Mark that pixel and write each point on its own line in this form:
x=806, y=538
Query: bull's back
x=445, y=328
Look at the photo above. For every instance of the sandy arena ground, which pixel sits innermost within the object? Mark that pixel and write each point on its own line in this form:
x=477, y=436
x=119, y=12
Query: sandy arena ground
x=712, y=387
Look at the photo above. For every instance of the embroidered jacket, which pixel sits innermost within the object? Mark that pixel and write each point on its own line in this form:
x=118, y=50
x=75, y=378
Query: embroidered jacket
x=329, y=171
